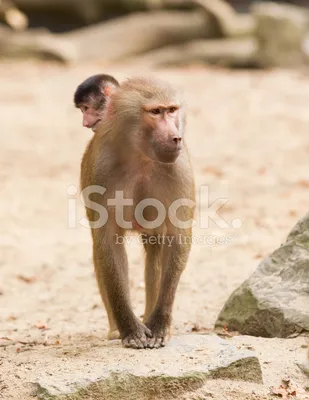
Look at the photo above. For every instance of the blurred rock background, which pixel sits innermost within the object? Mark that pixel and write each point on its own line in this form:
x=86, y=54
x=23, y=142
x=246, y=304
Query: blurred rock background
x=154, y=33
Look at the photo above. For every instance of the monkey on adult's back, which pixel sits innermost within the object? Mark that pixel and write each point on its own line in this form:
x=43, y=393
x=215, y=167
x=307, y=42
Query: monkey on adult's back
x=138, y=153
x=91, y=97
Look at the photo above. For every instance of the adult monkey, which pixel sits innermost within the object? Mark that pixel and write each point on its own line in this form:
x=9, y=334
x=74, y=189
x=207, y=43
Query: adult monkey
x=91, y=98
x=138, y=149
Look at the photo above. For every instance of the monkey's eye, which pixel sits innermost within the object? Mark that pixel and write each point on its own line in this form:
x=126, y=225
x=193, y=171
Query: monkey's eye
x=84, y=108
x=155, y=111
x=171, y=110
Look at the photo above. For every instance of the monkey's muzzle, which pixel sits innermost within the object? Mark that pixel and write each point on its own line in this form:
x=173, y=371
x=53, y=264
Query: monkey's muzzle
x=168, y=155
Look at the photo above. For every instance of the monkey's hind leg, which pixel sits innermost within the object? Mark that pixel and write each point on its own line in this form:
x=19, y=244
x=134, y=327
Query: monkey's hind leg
x=113, y=332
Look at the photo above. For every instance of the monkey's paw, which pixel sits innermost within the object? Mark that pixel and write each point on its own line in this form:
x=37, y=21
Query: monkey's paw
x=138, y=337
x=160, y=332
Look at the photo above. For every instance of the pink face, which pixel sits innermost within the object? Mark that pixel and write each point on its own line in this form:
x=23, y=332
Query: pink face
x=163, y=131
x=91, y=116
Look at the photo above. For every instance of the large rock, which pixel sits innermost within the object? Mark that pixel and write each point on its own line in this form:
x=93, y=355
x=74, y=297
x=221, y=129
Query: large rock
x=112, y=372
x=281, y=31
x=274, y=301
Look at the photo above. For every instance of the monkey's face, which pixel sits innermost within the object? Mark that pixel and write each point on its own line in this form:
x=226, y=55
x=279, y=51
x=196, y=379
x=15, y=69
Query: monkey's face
x=91, y=115
x=162, y=140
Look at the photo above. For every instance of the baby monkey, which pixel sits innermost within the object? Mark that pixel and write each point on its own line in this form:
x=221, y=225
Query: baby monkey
x=91, y=97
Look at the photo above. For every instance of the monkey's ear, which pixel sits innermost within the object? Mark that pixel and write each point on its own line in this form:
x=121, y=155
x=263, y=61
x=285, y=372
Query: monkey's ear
x=109, y=90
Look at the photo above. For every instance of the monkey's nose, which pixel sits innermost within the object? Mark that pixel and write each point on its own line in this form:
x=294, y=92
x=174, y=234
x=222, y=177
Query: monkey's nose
x=177, y=140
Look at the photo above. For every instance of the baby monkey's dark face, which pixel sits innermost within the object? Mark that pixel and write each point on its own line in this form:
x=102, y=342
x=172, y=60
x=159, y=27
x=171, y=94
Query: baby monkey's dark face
x=92, y=96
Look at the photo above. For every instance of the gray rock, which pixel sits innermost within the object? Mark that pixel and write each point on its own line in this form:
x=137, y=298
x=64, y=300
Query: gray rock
x=113, y=372
x=274, y=301
x=281, y=31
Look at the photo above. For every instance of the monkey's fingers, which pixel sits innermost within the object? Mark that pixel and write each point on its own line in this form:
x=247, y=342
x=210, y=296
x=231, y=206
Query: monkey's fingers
x=148, y=332
x=156, y=342
x=138, y=339
x=134, y=343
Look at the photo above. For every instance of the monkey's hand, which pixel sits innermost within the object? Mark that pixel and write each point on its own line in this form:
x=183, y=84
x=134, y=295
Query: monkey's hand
x=137, y=337
x=160, y=327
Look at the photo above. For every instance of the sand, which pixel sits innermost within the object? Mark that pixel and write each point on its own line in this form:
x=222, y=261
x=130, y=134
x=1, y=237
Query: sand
x=248, y=138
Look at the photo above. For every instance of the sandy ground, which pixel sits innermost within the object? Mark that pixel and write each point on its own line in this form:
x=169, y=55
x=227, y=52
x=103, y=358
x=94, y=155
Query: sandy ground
x=248, y=138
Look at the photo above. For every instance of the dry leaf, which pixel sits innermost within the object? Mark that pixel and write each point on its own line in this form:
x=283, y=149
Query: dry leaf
x=303, y=183
x=214, y=171
x=26, y=279
x=258, y=256
x=280, y=391
x=284, y=391
x=261, y=171
x=259, y=223
x=39, y=325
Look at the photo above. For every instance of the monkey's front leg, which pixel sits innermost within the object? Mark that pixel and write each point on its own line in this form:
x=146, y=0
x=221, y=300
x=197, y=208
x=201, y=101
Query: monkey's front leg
x=111, y=266
x=174, y=261
x=152, y=275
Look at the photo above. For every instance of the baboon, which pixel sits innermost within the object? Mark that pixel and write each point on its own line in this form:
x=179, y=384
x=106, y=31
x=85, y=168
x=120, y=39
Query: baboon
x=138, y=150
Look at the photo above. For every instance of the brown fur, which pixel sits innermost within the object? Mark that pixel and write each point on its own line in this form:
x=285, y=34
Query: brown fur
x=117, y=159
